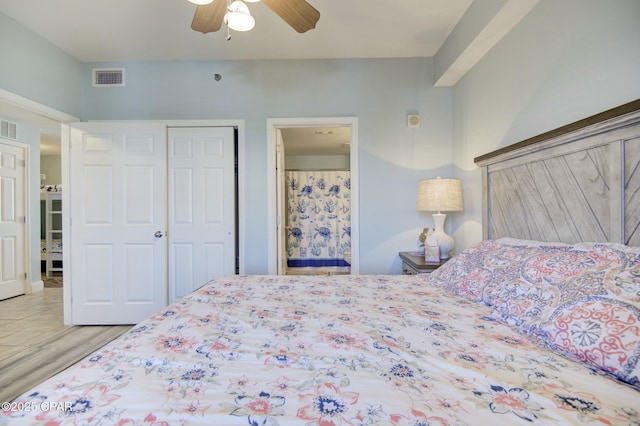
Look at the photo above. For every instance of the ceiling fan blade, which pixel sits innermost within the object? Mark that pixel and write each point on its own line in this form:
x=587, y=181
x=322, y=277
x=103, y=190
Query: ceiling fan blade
x=298, y=13
x=208, y=18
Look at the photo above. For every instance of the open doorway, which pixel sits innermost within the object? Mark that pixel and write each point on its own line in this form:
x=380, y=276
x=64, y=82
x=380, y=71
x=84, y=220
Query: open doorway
x=51, y=244
x=316, y=205
x=39, y=127
x=313, y=185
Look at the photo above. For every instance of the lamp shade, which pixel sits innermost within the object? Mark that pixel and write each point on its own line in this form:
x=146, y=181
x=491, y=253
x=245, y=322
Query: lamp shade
x=439, y=195
x=238, y=17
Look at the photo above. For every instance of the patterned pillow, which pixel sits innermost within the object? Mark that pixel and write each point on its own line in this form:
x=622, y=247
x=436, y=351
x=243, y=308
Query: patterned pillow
x=468, y=273
x=602, y=332
x=582, y=300
x=549, y=276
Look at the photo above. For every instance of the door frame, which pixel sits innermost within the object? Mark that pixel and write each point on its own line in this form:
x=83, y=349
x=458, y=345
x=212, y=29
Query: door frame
x=31, y=112
x=275, y=124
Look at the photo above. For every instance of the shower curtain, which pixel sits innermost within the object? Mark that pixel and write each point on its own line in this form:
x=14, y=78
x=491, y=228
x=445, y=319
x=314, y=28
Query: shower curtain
x=319, y=218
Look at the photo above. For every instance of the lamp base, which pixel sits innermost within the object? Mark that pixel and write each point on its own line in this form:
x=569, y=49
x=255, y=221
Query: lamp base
x=442, y=239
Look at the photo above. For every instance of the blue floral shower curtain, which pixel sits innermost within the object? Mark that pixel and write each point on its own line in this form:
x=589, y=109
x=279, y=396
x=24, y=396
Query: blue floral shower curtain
x=319, y=218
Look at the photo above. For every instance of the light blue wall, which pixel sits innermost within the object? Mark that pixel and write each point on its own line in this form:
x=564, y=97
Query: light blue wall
x=30, y=135
x=566, y=60
x=33, y=68
x=37, y=70
x=380, y=92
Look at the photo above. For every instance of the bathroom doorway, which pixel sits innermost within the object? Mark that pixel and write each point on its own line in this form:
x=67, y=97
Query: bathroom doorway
x=315, y=197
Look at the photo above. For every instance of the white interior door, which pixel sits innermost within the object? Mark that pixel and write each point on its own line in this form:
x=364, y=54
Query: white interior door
x=201, y=206
x=118, y=204
x=12, y=220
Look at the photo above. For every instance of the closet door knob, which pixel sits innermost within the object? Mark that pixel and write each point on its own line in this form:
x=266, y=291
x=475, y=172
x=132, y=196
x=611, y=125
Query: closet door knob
x=158, y=234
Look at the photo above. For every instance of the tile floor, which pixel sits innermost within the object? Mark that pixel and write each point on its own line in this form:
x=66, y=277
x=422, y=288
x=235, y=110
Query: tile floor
x=24, y=320
x=331, y=270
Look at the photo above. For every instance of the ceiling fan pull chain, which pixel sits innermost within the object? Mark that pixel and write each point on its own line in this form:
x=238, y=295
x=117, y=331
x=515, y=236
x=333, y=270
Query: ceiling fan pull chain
x=225, y=20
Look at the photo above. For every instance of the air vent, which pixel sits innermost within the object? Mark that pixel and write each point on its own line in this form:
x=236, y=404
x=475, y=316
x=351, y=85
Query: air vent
x=110, y=77
x=8, y=130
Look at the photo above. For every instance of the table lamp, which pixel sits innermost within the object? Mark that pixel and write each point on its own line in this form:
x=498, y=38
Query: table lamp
x=438, y=195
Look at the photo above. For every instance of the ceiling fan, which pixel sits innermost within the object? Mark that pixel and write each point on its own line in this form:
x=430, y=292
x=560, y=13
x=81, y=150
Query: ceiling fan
x=210, y=15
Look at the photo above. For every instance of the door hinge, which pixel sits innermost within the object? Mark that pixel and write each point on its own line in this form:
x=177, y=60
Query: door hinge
x=22, y=163
x=24, y=219
x=25, y=275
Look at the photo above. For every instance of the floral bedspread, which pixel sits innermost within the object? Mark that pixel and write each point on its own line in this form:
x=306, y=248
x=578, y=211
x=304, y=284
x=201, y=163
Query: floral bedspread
x=325, y=350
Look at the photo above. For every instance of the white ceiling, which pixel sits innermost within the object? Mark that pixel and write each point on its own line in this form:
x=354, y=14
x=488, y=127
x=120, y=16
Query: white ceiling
x=153, y=30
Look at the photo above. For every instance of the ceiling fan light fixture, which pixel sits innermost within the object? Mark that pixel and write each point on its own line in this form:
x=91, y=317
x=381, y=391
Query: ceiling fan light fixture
x=251, y=1
x=238, y=17
x=201, y=2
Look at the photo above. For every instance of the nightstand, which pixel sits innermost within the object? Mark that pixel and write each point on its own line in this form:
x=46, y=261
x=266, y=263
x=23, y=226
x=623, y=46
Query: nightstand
x=413, y=265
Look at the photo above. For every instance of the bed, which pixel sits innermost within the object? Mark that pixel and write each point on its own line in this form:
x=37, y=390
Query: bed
x=327, y=350
x=510, y=331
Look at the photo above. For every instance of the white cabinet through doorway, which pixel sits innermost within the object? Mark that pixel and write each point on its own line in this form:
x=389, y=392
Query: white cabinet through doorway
x=151, y=216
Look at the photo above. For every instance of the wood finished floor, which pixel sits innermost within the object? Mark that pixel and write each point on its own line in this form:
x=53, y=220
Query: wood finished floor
x=35, y=344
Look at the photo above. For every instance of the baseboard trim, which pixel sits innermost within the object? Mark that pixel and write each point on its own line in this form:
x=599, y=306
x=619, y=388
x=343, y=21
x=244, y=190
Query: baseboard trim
x=37, y=286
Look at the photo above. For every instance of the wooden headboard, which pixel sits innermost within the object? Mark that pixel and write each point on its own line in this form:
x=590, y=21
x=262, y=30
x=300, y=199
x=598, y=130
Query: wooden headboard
x=578, y=183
